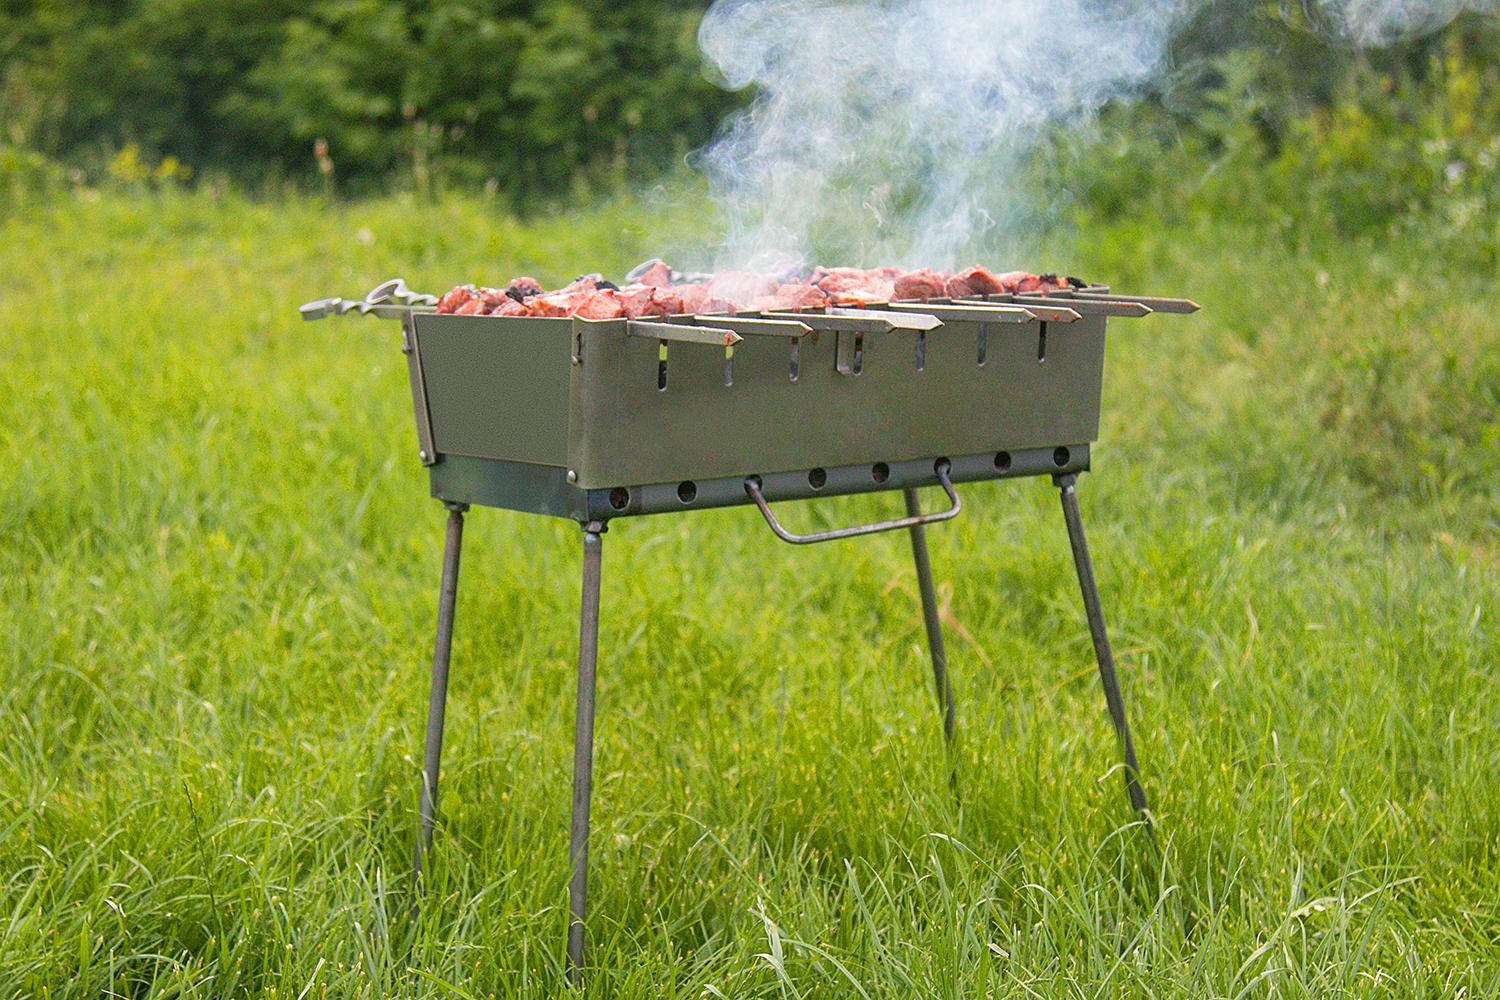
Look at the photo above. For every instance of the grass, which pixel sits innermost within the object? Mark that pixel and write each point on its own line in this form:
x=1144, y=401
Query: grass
x=218, y=569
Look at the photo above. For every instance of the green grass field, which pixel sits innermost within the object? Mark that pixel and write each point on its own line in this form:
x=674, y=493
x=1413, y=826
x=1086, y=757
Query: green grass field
x=218, y=579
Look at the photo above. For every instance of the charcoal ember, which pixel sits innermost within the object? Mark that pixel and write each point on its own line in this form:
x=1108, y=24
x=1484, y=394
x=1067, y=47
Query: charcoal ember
x=523, y=288
x=455, y=297
x=472, y=307
x=921, y=284
x=603, y=304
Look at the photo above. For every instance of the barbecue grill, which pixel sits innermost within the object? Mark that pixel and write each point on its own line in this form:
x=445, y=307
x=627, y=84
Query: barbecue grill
x=598, y=420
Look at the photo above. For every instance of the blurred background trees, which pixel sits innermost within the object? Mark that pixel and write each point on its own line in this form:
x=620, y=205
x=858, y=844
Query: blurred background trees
x=559, y=98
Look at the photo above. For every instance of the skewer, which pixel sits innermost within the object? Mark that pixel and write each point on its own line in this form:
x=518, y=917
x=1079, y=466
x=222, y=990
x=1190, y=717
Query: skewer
x=681, y=334
x=971, y=312
x=826, y=321
x=756, y=327
x=1152, y=302
x=1089, y=307
x=1045, y=313
x=900, y=319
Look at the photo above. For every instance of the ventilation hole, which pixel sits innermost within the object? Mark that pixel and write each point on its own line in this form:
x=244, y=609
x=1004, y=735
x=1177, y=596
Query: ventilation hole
x=817, y=478
x=729, y=366
x=1061, y=456
x=984, y=336
x=1041, y=341
x=1002, y=461
x=921, y=350
x=859, y=354
x=687, y=491
x=796, y=356
x=661, y=366
x=619, y=498
x=880, y=472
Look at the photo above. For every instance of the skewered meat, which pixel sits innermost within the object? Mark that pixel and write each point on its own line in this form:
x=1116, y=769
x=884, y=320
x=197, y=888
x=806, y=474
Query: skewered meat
x=653, y=293
x=921, y=284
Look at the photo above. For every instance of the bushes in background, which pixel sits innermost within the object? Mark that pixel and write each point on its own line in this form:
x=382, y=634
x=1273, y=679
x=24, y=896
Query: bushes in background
x=534, y=94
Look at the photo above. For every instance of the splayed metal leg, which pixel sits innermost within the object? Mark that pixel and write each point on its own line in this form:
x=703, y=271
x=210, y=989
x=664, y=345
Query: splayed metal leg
x=583, y=748
x=930, y=617
x=438, y=697
x=1111, y=682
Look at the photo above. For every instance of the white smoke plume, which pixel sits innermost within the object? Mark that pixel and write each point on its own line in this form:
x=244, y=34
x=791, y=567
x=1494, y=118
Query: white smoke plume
x=894, y=131
x=888, y=131
x=1375, y=23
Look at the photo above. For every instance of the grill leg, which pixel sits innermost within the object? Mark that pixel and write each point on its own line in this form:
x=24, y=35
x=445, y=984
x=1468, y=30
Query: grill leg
x=438, y=698
x=1102, y=653
x=583, y=748
x=930, y=617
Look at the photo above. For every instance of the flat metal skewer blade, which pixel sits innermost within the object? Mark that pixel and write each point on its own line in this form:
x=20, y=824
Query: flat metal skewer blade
x=832, y=321
x=681, y=333
x=970, y=312
x=757, y=327
x=1045, y=313
x=1090, y=307
x=1155, y=303
x=899, y=319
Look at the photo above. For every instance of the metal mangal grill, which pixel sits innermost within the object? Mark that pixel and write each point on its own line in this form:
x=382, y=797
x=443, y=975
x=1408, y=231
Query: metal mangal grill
x=598, y=420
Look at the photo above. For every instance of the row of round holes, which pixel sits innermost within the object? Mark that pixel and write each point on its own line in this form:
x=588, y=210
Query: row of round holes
x=687, y=490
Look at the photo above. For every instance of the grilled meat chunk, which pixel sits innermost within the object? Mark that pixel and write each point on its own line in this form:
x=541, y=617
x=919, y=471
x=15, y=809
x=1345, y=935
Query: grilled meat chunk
x=653, y=293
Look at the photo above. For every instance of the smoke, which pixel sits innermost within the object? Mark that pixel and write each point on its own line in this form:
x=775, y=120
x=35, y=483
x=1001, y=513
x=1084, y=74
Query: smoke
x=1375, y=23
x=896, y=131
x=892, y=131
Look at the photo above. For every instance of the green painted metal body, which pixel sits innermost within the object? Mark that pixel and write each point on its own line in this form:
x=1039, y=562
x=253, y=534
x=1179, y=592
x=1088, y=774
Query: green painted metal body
x=559, y=408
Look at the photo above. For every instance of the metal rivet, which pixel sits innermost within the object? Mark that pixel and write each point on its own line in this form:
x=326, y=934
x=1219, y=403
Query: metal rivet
x=572, y=476
x=422, y=455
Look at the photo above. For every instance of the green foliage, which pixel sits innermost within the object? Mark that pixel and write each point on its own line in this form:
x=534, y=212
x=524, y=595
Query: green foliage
x=1384, y=142
x=535, y=94
x=218, y=566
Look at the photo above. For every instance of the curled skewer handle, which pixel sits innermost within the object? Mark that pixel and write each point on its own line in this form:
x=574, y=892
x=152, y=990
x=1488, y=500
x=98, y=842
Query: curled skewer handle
x=387, y=300
x=752, y=487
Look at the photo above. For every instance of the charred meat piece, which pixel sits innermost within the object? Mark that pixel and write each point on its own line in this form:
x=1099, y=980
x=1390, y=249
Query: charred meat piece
x=975, y=281
x=522, y=289
x=922, y=284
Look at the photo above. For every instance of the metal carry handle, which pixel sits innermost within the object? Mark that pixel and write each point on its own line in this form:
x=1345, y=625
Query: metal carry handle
x=752, y=487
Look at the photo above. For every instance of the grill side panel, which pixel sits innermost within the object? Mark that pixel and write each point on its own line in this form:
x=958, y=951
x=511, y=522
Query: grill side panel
x=627, y=431
x=497, y=388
